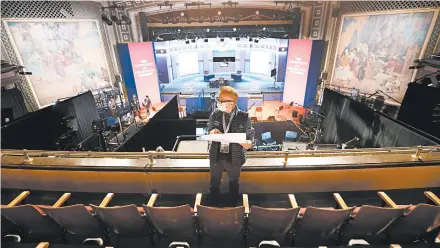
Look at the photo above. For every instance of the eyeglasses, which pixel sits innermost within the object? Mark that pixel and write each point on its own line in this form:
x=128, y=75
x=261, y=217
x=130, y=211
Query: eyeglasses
x=225, y=101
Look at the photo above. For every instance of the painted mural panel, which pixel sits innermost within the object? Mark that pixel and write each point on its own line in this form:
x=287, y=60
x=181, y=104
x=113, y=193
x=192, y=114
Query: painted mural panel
x=65, y=57
x=375, y=51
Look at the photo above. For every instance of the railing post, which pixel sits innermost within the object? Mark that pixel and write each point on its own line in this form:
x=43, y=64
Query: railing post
x=417, y=155
x=151, y=160
x=27, y=159
x=286, y=158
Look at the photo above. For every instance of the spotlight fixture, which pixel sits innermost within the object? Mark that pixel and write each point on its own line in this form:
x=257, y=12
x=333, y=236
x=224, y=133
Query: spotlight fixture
x=234, y=29
x=126, y=20
x=106, y=19
x=222, y=39
x=237, y=39
x=206, y=40
x=207, y=30
x=256, y=41
x=187, y=42
x=115, y=18
x=250, y=39
x=193, y=40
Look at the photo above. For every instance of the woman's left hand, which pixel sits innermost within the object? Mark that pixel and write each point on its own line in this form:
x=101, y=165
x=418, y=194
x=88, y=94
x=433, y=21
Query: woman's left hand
x=247, y=146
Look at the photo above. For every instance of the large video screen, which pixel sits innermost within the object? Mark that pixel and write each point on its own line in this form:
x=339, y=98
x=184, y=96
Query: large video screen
x=190, y=66
x=188, y=63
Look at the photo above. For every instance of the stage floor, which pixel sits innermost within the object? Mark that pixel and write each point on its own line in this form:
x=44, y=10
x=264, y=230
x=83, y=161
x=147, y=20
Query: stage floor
x=251, y=83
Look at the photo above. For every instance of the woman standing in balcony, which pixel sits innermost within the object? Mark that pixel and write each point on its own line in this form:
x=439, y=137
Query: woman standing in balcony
x=227, y=118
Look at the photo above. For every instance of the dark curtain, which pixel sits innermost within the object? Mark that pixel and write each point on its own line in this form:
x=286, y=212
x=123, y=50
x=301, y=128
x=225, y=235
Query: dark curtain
x=170, y=111
x=347, y=119
x=41, y=129
x=84, y=109
x=158, y=133
x=14, y=99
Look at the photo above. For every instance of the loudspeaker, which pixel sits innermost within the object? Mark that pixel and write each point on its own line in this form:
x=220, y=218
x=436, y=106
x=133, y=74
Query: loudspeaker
x=324, y=76
x=335, y=12
x=294, y=114
x=143, y=20
x=296, y=23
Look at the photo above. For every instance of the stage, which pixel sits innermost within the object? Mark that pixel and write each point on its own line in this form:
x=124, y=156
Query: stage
x=250, y=83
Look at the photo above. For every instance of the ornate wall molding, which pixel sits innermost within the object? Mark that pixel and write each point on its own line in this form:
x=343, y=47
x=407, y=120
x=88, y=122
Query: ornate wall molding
x=319, y=20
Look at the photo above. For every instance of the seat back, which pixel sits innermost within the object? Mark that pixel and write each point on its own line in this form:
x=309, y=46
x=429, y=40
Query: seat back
x=415, y=224
x=221, y=222
x=171, y=220
x=266, y=136
x=28, y=218
x=76, y=220
x=124, y=220
x=320, y=227
x=266, y=223
x=370, y=222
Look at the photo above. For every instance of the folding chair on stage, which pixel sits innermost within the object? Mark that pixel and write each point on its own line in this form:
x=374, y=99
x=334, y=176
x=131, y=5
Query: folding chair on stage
x=128, y=226
x=174, y=225
x=272, y=224
x=34, y=224
x=320, y=226
x=80, y=224
x=368, y=223
x=420, y=223
x=222, y=226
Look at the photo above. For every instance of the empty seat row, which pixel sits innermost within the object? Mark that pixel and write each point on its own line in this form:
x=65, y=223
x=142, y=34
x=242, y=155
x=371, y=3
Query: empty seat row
x=146, y=226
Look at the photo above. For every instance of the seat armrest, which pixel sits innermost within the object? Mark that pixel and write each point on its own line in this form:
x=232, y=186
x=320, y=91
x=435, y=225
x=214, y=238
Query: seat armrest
x=43, y=245
x=198, y=201
x=62, y=200
x=18, y=199
x=386, y=200
x=246, y=204
x=152, y=200
x=106, y=200
x=340, y=201
x=292, y=200
x=432, y=197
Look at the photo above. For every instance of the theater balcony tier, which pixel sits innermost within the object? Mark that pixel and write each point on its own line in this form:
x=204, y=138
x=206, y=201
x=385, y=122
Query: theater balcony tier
x=188, y=173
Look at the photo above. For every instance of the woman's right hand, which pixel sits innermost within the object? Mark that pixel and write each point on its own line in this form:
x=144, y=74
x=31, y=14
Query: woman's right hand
x=215, y=131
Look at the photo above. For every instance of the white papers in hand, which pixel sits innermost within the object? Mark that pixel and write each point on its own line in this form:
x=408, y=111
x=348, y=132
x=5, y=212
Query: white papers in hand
x=226, y=137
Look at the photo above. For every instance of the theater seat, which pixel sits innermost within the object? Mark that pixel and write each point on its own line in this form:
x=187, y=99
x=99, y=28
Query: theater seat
x=34, y=224
x=172, y=224
x=128, y=227
x=320, y=227
x=369, y=223
x=272, y=224
x=421, y=223
x=79, y=223
x=222, y=226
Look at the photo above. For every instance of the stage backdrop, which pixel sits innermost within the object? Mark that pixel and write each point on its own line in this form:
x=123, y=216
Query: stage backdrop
x=65, y=57
x=139, y=71
x=376, y=50
x=302, y=71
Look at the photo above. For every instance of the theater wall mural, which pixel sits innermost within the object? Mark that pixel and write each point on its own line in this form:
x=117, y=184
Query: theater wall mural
x=375, y=50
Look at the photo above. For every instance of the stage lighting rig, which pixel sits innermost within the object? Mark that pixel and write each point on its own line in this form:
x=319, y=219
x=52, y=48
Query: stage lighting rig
x=197, y=4
x=114, y=17
x=166, y=4
x=122, y=20
x=230, y=4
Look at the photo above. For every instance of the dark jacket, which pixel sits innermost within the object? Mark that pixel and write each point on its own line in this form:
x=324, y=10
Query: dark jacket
x=241, y=123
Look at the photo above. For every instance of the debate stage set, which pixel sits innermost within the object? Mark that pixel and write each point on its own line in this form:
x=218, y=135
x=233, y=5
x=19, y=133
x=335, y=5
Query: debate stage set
x=105, y=110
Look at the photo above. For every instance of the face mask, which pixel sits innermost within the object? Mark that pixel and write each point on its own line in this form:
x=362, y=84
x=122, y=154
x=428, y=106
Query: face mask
x=221, y=106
